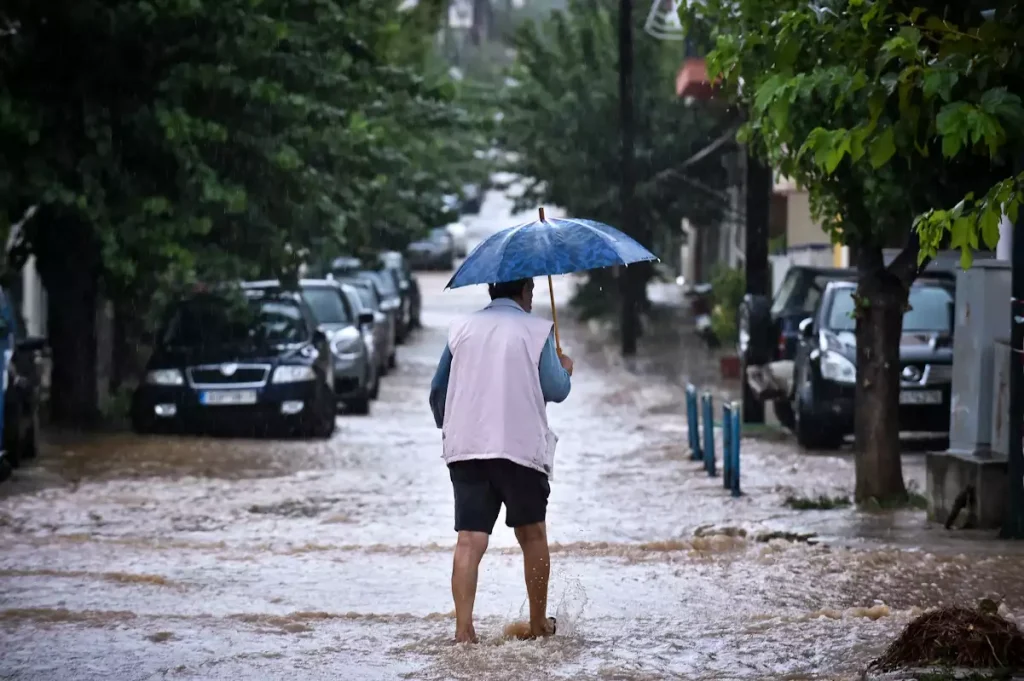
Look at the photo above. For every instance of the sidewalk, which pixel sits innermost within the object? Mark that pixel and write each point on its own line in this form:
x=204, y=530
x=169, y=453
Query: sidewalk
x=773, y=468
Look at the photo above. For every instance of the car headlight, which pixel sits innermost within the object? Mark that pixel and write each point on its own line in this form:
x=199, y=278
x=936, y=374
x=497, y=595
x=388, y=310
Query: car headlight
x=835, y=367
x=293, y=374
x=165, y=377
x=347, y=348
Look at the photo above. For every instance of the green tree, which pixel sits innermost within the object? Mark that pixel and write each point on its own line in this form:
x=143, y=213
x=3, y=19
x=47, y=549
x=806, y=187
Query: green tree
x=561, y=121
x=883, y=110
x=169, y=140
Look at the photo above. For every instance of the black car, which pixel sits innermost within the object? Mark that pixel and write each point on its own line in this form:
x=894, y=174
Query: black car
x=230, y=358
x=769, y=329
x=21, y=383
x=407, y=285
x=436, y=252
x=356, y=380
x=825, y=372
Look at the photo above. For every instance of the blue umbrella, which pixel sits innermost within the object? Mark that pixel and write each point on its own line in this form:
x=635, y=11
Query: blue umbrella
x=546, y=247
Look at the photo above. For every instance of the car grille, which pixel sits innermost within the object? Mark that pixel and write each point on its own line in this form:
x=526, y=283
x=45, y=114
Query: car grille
x=213, y=376
x=939, y=373
x=930, y=374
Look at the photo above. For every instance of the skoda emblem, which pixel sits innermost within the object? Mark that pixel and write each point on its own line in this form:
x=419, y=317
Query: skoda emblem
x=228, y=369
x=911, y=374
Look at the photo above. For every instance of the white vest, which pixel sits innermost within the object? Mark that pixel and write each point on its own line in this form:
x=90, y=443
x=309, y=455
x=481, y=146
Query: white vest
x=494, y=408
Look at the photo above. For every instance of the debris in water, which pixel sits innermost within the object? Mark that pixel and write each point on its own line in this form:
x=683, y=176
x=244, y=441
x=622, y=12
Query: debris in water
x=956, y=637
x=765, y=537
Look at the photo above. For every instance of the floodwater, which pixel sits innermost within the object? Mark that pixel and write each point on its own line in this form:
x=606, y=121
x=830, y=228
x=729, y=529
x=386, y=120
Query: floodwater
x=188, y=558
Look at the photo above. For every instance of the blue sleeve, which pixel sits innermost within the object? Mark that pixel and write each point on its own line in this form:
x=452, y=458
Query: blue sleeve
x=439, y=386
x=554, y=380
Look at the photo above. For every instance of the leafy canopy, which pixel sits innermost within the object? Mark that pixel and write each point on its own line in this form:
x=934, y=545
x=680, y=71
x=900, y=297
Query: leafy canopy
x=228, y=138
x=561, y=121
x=887, y=112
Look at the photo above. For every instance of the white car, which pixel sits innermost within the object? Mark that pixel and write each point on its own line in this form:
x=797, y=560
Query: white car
x=457, y=230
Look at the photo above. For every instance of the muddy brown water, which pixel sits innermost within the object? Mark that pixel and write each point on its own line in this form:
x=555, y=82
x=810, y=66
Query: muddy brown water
x=197, y=558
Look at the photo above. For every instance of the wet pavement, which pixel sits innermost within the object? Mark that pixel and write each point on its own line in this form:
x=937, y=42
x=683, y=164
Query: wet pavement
x=156, y=558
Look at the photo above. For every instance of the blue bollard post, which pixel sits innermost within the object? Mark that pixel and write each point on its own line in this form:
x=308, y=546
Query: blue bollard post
x=709, y=434
x=726, y=445
x=693, y=422
x=737, y=422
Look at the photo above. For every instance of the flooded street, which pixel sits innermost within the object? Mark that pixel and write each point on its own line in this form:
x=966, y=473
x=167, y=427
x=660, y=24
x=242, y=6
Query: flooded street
x=124, y=557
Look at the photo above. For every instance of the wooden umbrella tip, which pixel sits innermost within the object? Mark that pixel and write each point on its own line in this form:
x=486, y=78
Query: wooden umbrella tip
x=542, y=214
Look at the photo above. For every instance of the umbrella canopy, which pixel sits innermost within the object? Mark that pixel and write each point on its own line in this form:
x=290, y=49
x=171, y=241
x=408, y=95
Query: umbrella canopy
x=546, y=247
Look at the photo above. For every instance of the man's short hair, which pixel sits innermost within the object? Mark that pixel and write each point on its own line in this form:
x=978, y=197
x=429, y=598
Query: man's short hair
x=507, y=289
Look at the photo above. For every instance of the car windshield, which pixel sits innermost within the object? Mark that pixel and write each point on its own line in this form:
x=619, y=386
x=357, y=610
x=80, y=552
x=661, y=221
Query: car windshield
x=328, y=304
x=383, y=280
x=929, y=310
x=367, y=295
x=211, y=321
x=800, y=292
x=439, y=234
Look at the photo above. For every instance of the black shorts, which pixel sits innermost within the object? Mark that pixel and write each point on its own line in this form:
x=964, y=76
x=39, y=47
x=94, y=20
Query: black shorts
x=483, y=485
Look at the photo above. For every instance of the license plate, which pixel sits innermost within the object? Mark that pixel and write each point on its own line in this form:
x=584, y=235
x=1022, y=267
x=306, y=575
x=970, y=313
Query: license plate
x=227, y=397
x=920, y=397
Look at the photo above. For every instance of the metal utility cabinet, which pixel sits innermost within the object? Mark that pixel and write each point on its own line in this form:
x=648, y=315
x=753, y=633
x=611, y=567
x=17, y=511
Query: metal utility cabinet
x=974, y=459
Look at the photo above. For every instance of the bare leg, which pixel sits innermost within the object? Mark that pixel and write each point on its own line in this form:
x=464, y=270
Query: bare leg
x=469, y=550
x=537, y=567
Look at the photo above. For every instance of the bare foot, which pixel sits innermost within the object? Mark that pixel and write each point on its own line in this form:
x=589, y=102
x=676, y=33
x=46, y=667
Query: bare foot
x=545, y=630
x=466, y=636
x=524, y=632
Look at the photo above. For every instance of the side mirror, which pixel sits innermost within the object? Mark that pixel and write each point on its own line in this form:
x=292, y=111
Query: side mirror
x=366, y=318
x=806, y=328
x=32, y=344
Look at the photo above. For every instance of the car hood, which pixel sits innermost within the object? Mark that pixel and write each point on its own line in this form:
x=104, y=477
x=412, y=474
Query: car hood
x=915, y=346
x=241, y=354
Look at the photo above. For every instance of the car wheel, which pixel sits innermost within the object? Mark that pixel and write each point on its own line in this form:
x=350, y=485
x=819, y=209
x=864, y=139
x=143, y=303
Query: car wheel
x=375, y=386
x=359, y=406
x=30, y=446
x=811, y=432
x=5, y=469
x=321, y=424
x=11, y=436
x=392, y=360
x=784, y=413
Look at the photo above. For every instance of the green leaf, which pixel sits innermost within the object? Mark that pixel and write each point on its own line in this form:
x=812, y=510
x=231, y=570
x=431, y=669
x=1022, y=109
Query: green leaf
x=882, y=148
x=939, y=82
x=988, y=223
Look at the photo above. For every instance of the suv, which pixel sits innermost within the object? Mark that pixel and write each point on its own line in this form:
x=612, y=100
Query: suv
x=825, y=372
x=258, y=360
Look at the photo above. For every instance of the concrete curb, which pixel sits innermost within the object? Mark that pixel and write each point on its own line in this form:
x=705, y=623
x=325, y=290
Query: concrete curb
x=943, y=674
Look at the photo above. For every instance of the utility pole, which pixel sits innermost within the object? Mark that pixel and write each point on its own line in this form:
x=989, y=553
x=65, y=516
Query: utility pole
x=629, y=281
x=1013, y=522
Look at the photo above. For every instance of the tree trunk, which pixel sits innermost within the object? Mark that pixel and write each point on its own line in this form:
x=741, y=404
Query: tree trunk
x=630, y=327
x=69, y=266
x=882, y=297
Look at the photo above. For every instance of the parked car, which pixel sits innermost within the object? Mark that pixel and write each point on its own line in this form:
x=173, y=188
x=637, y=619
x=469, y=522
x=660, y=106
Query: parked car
x=825, y=371
x=769, y=331
x=435, y=252
x=407, y=285
x=373, y=338
x=230, y=358
x=472, y=198
x=19, y=429
x=383, y=322
x=390, y=298
x=356, y=379
x=460, y=238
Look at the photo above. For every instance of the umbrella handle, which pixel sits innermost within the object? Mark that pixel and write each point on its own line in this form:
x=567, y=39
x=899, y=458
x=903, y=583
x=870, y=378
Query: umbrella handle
x=554, y=315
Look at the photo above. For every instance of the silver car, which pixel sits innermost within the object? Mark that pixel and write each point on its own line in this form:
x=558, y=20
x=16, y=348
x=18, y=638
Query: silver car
x=384, y=322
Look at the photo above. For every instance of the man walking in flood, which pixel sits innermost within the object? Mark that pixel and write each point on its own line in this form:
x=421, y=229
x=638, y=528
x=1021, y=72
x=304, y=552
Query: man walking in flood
x=489, y=394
